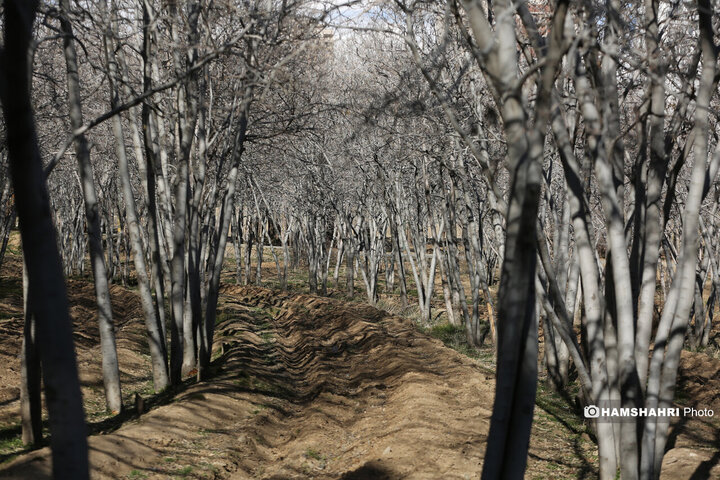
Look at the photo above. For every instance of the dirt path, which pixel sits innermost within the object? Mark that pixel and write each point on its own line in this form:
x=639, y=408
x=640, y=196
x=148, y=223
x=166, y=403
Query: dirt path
x=311, y=387
x=308, y=387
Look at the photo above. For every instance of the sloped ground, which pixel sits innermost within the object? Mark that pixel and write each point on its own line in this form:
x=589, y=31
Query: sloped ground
x=310, y=387
x=694, y=442
x=130, y=337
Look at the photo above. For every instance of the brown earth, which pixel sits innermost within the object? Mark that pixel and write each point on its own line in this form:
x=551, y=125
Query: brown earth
x=132, y=348
x=699, y=380
x=694, y=442
x=309, y=387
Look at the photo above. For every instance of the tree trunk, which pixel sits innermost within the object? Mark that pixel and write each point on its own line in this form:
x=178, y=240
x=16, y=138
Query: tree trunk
x=156, y=341
x=30, y=376
x=46, y=286
x=675, y=317
x=225, y=213
x=110, y=369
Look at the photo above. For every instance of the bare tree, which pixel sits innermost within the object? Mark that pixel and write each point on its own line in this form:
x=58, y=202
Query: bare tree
x=46, y=286
x=111, y=371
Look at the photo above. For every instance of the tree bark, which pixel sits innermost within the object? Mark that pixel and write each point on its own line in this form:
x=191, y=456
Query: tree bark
x=156, y=341
x=46, y=285
x=110, y=369
x=30, y=375
x=676, y=315
x=226, y=212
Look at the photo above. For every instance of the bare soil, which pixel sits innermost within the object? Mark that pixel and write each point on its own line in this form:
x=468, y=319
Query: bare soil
x=131, y=341
x=311, y=387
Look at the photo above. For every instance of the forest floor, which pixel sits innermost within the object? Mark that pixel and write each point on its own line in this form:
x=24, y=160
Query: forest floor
x=313, y=387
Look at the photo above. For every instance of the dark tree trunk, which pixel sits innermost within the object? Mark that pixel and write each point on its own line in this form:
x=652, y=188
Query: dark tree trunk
x=30, y=375
x=49, y=303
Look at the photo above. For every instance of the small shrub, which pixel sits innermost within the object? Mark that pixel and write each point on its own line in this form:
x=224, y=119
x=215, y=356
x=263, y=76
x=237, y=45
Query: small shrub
x=185, y=471
x=11, y=444
x=314, y=454
x=454, y=337
x=447, y=333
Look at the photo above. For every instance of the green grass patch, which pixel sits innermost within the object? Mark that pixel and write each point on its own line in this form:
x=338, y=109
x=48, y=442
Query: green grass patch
x=260, y=408
x=454, y=337
x=314, y=454
x=11, y=444
x=184, y=472
x=136, y=474
x=556, y=408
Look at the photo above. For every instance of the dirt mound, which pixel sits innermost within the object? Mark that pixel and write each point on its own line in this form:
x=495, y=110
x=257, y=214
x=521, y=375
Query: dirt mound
x=11, y=327
x=309, y=387
x=135, y=372
x=699, y=380
x=693, y=444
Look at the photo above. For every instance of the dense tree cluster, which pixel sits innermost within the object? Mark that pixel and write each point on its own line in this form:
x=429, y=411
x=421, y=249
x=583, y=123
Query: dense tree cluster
x=516, y=167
